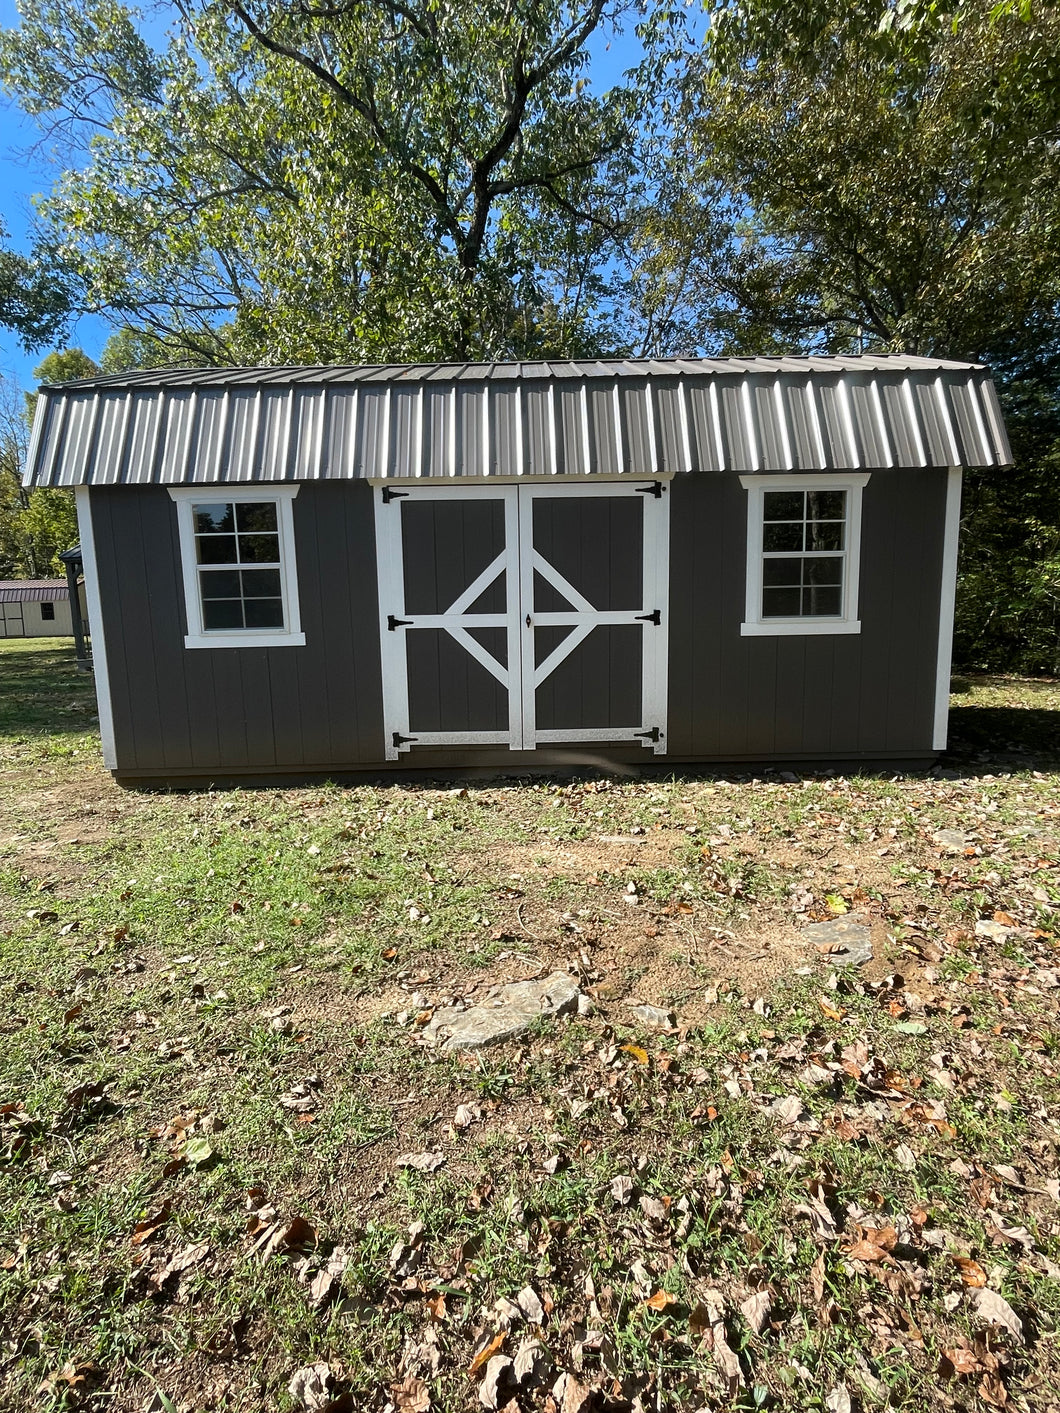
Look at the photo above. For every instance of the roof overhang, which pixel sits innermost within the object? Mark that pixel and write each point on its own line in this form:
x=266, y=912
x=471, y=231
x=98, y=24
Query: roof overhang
x=636, y=417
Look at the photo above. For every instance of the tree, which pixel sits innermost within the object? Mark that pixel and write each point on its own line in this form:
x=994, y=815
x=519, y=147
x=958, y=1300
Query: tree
x=37, y=524
x=17, y=557
x=867, y=185
x=302, y=182
x=34, y=301
x=884, y=176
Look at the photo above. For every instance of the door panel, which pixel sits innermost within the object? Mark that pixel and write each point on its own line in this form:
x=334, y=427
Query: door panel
x=591, y=556
x=448, y=689
x=13, y=624
x=449, y=627
x=599, y=683
x=519, y=614
x=596, y=544
x=447, y=546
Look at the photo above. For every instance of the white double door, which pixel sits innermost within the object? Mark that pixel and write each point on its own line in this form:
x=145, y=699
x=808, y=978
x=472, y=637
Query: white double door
x=520, y=615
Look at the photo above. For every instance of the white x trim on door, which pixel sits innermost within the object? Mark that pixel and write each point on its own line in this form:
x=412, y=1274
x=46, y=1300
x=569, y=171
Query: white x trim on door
x=517, y=563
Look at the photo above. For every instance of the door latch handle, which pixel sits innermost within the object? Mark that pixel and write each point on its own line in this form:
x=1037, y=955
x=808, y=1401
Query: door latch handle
x=654, y=617
x=528, y=620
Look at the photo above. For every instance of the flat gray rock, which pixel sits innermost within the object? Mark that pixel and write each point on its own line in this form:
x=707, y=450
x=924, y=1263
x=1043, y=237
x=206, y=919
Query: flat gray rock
x=954, y=841
x=655, y=1016
x=510, y=1013
x=850, y=936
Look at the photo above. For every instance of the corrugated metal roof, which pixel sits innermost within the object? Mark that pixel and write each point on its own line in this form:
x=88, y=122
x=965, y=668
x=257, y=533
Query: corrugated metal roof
x=33, y=590
x=512, y=419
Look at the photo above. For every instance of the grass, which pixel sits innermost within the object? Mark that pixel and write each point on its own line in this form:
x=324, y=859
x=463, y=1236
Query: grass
x=209, y=1010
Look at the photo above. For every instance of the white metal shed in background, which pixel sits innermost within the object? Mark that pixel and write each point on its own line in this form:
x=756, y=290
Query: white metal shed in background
x=35, y=608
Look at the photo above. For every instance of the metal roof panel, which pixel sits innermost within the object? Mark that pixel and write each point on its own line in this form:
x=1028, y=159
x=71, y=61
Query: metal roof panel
x=582, y=417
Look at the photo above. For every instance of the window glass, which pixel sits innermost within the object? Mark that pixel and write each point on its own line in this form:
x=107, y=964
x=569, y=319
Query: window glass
x=227, y=536
x=803, y=553
x=47, y=610
x=213, y=519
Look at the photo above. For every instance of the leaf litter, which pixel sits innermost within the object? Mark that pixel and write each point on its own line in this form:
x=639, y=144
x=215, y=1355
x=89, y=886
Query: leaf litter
x=867, y=1149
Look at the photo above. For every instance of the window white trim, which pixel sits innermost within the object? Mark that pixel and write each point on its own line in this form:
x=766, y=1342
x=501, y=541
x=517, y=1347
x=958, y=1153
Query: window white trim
x=290, y=635
x=754, y=625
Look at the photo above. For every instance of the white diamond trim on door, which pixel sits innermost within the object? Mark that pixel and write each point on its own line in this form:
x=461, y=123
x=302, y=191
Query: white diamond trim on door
x=518, y=562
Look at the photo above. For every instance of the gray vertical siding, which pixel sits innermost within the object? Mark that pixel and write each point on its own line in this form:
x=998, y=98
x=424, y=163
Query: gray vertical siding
x=204, y=712
x=196, y=711
x=841, y=696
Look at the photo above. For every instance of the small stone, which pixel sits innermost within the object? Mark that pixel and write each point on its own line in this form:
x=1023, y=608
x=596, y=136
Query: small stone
x=996, y=931
x=512, y=1011
x=849, y=939
x=657, y=1017
x=953, y=841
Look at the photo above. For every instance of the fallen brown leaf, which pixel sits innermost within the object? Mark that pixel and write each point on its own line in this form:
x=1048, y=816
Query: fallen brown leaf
x=145, y=1229
x=486, y=1353
x=411, y=1395
x=971, y=1273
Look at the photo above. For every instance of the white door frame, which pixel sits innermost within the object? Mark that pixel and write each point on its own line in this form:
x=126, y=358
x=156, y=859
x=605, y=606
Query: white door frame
x=517, y=562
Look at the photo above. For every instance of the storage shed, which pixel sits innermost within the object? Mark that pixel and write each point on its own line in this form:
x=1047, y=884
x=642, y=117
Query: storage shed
x=34, y=608
x=298, y=571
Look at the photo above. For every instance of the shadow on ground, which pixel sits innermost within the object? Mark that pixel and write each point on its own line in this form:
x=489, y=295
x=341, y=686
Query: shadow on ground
x=1027, y=736
x=41, y=689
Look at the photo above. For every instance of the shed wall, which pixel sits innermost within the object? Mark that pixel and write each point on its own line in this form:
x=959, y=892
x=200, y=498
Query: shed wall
x=224, y=711
x=845, y=695
x=25, y=620
x=208, y=713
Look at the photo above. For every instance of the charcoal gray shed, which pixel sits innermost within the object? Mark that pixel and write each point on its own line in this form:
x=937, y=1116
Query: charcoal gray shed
x=319, y=570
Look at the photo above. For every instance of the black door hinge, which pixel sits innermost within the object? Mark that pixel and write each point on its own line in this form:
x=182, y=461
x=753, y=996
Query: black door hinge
x=392, y=622
x=655, y=489
x=400, y=740
x=389, y=495
x=653, y=735
x=654, y=617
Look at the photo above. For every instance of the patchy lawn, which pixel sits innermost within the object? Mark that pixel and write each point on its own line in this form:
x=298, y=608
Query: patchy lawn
x=226, y=1154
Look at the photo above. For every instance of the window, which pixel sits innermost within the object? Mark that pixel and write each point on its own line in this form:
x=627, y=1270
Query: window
x=237, y=548
x=47, y=612
x=803, y=549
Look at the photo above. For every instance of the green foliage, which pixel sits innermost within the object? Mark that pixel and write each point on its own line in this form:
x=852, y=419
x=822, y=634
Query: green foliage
x=65, y=365
x=864, y=189
x=34, y=300
x=131, y=350
x=287, y=184
x=878, y=176
x=1008, y=605
x=35, y=525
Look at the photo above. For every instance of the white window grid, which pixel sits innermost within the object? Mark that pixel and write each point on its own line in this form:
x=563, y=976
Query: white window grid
x=756, y=623
x=198, y=635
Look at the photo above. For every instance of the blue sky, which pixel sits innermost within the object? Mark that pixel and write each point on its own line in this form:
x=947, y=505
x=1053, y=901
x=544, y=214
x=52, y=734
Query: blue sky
x=23, y=175
x=26, y=173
